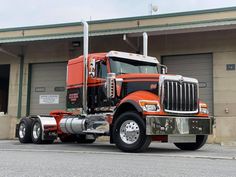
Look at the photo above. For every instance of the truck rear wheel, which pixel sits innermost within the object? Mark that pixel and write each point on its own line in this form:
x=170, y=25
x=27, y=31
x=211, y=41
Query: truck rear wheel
x=129, y=133
x=24, y=131
x=200, y=141
x=36, y=133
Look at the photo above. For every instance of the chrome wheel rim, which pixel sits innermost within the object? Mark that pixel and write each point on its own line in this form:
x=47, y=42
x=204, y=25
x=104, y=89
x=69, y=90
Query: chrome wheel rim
x=129, y=132
x=36, y=130
x=22, y=130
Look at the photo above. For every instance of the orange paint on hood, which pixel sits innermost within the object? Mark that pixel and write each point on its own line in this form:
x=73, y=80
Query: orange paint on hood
x=141, y=95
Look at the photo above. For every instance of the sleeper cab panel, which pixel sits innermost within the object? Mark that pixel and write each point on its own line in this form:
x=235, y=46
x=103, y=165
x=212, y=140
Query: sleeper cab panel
x=75, y=73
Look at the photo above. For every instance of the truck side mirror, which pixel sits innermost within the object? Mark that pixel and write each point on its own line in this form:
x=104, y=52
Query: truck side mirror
x=92, y=68
x=111, y=87
x=163, y=69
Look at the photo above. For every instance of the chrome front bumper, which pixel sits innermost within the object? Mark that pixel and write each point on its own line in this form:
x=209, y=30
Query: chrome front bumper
x=170, y=125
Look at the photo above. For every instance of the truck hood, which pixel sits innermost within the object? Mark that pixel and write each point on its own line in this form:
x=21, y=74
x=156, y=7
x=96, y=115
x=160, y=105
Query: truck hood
x=139, y=76
x=155, y=77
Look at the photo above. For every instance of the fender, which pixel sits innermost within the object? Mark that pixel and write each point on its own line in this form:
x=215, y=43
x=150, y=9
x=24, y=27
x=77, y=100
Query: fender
x=126, y=105
x=49, y=125
x=133, y=101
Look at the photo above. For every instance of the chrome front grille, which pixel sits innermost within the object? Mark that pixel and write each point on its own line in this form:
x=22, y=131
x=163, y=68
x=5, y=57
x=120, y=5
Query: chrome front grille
x=180, y=96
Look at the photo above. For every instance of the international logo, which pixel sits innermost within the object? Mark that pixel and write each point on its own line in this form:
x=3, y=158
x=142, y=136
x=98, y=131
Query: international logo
x=181, y=79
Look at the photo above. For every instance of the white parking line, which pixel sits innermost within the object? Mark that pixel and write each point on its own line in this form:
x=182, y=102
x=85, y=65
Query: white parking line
x=123, y=153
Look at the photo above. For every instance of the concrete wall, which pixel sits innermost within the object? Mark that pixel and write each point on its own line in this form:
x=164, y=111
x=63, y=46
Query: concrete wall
x=224, y=96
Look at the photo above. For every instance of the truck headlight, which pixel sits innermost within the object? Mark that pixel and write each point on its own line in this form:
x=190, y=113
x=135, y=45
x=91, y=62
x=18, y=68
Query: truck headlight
x=204, y=111
x=150, y=106
x=203, y=108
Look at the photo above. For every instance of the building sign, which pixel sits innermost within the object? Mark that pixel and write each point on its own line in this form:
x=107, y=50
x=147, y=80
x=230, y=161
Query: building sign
x=59, y=89
x=73, y=97
x=49, y=99
x=202, y=85
x=40, y=89
x=230, y=67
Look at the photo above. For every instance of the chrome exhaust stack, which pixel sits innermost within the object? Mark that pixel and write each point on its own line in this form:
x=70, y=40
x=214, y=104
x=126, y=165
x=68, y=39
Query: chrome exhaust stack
x=145, y=44
x=85, y=78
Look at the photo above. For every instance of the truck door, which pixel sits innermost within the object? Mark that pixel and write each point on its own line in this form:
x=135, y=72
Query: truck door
x=99, y=101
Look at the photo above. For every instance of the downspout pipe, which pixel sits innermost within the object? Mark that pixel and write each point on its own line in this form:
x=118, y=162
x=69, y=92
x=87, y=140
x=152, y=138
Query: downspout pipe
x=85, y=78
x=145, y=44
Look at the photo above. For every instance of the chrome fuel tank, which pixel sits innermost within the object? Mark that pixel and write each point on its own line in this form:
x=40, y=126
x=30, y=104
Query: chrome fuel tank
x=72, y=125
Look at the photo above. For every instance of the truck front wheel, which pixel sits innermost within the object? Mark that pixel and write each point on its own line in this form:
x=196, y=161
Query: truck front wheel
x=129, y=133
x=200, y=141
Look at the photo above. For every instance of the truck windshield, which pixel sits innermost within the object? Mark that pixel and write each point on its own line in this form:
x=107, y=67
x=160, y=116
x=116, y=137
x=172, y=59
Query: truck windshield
x=126, y=66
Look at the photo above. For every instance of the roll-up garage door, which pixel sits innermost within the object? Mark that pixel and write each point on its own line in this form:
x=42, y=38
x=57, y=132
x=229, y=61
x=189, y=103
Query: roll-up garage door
x=198, y=66
x=48, y=88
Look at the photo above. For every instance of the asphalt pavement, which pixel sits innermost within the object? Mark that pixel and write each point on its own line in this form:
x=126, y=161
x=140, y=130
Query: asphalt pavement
x=103, y=159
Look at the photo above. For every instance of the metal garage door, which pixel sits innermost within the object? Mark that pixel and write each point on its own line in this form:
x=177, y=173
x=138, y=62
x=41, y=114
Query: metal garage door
x=48, y=88
x=198, y=66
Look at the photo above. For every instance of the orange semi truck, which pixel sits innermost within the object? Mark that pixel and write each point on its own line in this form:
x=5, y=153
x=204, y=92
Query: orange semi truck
x=128, y=97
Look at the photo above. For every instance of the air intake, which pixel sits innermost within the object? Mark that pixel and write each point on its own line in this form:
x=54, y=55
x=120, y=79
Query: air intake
x=180, y=97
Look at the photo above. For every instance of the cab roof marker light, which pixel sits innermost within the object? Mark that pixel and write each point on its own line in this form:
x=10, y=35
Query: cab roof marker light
x=132, y=56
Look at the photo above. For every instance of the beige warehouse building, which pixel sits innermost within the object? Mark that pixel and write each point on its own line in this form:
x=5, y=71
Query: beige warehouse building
x=200, y=44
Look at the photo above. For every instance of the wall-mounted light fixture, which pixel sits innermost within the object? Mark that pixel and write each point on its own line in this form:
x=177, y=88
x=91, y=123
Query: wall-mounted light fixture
x=76, y=44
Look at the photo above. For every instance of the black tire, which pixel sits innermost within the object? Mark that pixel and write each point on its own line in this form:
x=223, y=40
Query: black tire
x=24, y=130
x=81, y=139
x=67, y=138
x=134, y=121
x=36, y=132
x=200, y=141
